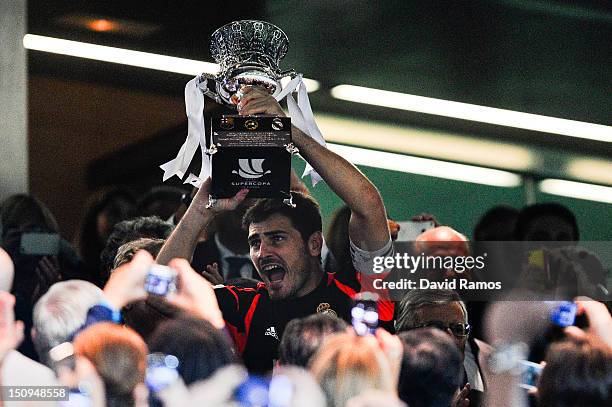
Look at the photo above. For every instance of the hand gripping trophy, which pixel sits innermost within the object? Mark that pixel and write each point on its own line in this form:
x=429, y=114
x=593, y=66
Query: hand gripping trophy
x=251, y=152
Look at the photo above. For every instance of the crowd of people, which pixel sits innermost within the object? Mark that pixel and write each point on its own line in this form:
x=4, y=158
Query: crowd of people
x=259, y=307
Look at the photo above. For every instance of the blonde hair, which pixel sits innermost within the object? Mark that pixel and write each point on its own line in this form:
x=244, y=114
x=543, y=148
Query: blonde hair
x=347, y=365
x=119, y=355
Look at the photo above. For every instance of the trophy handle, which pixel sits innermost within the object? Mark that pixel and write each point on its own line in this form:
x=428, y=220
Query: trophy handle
x=290, y=72
x=289, y=201
x=291, y=149
x=204, y=78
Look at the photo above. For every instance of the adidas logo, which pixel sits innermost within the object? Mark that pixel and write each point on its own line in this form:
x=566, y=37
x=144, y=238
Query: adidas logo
x=272, y=332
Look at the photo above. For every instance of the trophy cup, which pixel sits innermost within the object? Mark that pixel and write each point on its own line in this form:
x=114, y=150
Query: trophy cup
x=251, y=152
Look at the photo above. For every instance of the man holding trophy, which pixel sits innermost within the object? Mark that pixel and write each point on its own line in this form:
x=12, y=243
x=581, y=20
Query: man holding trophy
x=284, y=232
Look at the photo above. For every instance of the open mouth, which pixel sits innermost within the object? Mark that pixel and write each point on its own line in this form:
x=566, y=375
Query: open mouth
x=274, y=272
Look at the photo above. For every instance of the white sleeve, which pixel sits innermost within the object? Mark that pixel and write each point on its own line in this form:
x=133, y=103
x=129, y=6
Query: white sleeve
x=363, y=260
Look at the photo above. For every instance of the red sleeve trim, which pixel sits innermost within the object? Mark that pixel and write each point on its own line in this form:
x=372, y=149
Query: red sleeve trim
x=343, y=287
x=249, y=316
x=386, y=307
x=239, y=338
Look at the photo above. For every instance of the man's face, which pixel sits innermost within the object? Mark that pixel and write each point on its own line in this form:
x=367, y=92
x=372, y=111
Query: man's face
x=448, y=314
x=549, y=228
x=282, y=258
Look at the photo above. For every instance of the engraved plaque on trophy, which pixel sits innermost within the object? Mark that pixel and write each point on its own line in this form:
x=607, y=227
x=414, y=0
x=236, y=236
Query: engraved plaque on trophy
x=251, y=152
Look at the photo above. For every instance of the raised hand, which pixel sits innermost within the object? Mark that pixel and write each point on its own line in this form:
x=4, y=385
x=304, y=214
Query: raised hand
x=201, y=200
x=11, y=331
x=212, y=274
x=195, y=294
x=256, y=100
x=127, y=282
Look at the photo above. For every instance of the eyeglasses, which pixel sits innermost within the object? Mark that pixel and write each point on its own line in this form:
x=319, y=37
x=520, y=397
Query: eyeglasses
x=460, y=330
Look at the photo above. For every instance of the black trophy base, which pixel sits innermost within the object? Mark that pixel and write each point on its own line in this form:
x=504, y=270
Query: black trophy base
x=251, y=152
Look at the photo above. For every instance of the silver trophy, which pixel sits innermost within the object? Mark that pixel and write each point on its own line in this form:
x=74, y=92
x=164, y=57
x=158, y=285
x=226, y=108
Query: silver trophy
x=248, y=53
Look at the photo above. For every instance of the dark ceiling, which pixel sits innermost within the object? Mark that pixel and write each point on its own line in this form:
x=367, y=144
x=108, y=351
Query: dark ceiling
x=550, y=57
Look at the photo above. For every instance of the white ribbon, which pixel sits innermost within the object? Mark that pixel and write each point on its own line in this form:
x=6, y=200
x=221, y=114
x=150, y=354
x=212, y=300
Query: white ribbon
x=303, y=118
x=194, y=107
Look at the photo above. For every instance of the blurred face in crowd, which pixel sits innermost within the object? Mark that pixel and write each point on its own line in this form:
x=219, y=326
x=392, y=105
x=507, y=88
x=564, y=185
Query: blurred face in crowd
x=285, y=263
x=549, y=228
x=441, y=242
x=446, y=314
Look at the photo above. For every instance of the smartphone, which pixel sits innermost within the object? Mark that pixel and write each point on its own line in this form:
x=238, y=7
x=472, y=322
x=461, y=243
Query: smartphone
x=409, y=230
x=40, y=244
x=161, y=280
x=564, y=314
x=161, y=371
x=364, y=314
x=530, y=372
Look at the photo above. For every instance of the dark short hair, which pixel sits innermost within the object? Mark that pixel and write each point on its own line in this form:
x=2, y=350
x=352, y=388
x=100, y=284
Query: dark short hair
x=496, y=224
x=578, y=372
x=303, y=337
x=127, y=231
x=531, y=212
x=161, y=200
x=200, y=348
x=127, y=251
x=431, y=368
x=305, y=216
x=144, y=316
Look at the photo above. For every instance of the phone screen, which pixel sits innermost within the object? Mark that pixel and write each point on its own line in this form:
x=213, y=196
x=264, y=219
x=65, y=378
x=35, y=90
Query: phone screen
x=364, y=315
x=40, y=244
x=530, y=372
x=409, y=230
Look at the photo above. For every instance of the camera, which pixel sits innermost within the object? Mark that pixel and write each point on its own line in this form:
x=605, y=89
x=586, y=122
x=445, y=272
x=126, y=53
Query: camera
x=364, y=315
x=161, y=280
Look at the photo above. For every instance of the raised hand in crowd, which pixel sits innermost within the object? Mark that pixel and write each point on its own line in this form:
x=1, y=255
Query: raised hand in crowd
x=11, y=331
x=127, y=282
x=394, y=229
x=462, y=398
x=195, y=294
x=212, y=274
x=426, y=217
x=598, y=317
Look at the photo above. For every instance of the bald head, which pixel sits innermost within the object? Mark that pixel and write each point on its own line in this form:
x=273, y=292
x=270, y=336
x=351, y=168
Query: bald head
x=7, y=271
x=442, y=240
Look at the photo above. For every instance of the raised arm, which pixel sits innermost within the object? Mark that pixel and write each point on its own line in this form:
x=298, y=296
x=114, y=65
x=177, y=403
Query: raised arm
x=184, y=237
x=368, y=225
